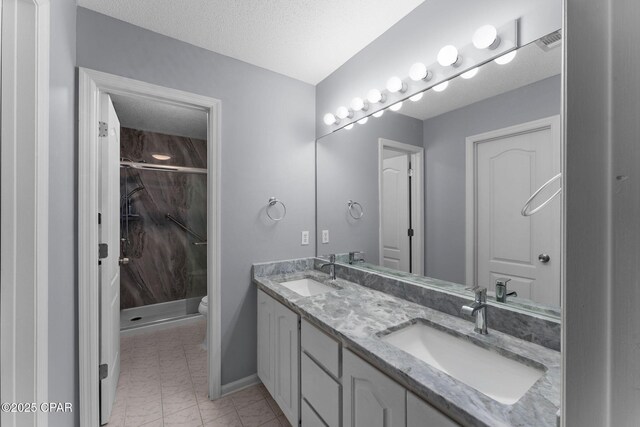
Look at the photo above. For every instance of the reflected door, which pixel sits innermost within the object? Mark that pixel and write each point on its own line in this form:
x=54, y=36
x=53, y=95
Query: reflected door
x=510, y=165
x=395, y=211
x=109, y=233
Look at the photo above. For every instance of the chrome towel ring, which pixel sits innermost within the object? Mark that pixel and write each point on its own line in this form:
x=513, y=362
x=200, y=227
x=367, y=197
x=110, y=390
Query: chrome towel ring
x=526, y=212
x=270, y=204
x=355, y=209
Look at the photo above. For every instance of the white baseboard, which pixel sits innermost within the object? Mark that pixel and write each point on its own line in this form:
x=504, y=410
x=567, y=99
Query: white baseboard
x=240, y=384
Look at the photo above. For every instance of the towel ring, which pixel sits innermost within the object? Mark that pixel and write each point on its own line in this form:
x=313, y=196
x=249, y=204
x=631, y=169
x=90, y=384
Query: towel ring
x=355, y=206
x=272, y=202
x=526, y=212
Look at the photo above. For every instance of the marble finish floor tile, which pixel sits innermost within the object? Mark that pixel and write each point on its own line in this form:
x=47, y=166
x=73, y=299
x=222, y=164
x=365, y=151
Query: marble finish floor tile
x=164, y=384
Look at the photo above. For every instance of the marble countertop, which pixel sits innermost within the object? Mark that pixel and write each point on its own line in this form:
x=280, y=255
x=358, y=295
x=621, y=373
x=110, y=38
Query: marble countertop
x=355, y=315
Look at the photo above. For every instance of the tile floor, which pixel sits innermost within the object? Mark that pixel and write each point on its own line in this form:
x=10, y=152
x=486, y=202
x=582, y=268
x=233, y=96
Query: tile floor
x=163, y=382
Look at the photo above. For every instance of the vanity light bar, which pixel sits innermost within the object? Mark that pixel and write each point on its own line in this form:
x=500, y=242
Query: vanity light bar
x=488, y=43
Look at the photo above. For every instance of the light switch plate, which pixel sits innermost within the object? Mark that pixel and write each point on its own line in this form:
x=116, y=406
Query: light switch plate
x=325, y=236
x=305, y=238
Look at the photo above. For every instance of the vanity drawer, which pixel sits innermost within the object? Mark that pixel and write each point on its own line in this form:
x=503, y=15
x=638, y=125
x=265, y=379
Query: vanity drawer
x=321, y=347
x=310, y=418
x=321, y=391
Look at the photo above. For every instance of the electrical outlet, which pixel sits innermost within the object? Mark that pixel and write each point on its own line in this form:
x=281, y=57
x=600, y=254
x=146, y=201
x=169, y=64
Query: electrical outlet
x=325, y=236
x=305, y=238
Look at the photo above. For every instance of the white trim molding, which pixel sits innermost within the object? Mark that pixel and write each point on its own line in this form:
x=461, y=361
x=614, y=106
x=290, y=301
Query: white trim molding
x=91, y=84
x=24, y=149
x=417, y=194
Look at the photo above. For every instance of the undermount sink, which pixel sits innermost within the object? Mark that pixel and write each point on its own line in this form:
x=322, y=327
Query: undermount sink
x=307, y=287
x=501, y=378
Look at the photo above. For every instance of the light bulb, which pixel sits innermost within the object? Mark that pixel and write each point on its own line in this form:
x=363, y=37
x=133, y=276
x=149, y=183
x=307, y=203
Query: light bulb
x=396, y=106
x=448, y=55
x=486, y=37
x=418, y=71
x=344, y=112
x=374, y=96
x=506, y=58
x=330, y=119
x=349, y=127
x=378, y=114
x=363, y=120
x=395, y=84
x=470, y=74
x=359, y=104
x=417, y=97
x=442, y=86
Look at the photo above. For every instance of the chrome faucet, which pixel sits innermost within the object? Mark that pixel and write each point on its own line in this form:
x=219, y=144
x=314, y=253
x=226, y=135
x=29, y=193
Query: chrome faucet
x=356, y=256
x=332, y=266
x=478, y=309
x=501, y=290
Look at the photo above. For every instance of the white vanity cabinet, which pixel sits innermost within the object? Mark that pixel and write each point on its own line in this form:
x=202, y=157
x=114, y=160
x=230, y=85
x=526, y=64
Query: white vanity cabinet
x=279, y=354
x=371, y=399
x=421, y=414
x=317, y=383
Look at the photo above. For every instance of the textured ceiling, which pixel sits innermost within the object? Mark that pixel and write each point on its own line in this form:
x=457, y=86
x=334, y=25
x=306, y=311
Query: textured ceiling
x=156, y=116
x=303, y=39
x=531, y=64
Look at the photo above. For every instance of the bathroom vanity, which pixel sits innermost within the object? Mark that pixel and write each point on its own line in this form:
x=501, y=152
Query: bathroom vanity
x=349, y=355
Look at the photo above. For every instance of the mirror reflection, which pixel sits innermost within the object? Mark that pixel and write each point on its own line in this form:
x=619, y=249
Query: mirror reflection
x=436, y=189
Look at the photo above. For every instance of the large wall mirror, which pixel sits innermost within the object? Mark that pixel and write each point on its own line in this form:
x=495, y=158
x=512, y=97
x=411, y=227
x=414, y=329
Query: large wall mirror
x=436, y=190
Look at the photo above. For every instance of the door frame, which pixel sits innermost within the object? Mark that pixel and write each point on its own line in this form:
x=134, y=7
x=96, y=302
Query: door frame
x=417, y=190
x=24, y=218
x=91, y=84
x=472, y=142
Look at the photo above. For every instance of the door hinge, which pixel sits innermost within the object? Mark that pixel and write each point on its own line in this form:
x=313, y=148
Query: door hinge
x=410, y=172
x=103, y=371
x=99, y=218
x=103, y=129
x=410, y=232
x=103, y=250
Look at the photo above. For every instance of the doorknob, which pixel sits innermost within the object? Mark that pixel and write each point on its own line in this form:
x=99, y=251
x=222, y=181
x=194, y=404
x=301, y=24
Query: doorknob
x=544, y=258
x=123, y=261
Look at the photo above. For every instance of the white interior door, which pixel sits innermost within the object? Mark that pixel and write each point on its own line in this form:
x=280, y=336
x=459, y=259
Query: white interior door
x=510, y=166
x=395, y=210
x=109, y=233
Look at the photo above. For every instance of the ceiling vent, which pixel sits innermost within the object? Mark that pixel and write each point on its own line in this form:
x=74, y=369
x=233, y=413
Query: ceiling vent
x=550, y=41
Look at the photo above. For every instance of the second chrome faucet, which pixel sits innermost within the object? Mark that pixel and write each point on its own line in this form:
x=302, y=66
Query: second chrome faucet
x=478, y=309
x=332, y=266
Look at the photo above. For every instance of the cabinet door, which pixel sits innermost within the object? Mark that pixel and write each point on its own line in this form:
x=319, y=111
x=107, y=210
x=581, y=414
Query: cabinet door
x=370, y=398
x=266, y=366
x=287, y=357
x=421, y=414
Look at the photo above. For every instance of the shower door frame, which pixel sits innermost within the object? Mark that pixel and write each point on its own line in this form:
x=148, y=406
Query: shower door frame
x=91, y=84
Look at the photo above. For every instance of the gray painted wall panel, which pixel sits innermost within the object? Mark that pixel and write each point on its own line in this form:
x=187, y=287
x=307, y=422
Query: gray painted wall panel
x=63, y=312
x=587, y=194
x=348, y=169
x=445, y=154
x=420, y=35
x=267, y=150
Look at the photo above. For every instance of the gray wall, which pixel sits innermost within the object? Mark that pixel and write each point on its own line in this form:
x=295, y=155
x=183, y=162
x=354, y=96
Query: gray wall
x=587, y=341
x=625, y=290
x=63, y=327
x=445, y=154
x=267, y=150
x=420, y=35
x=348, y=170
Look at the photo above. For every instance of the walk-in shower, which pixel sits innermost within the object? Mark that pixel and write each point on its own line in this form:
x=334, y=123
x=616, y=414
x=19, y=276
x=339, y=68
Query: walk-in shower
x=163, y=212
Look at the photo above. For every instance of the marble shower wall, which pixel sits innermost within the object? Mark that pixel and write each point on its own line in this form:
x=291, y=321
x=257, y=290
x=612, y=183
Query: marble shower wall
x=164, y=264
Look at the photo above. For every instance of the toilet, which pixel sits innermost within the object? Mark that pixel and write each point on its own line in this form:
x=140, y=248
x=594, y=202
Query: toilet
x=203, y=308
